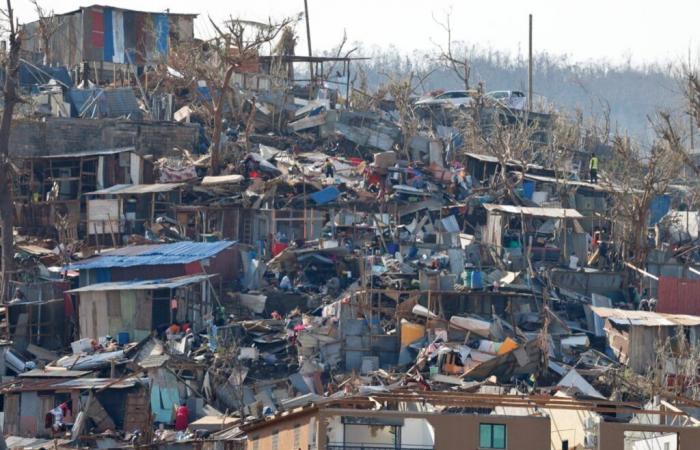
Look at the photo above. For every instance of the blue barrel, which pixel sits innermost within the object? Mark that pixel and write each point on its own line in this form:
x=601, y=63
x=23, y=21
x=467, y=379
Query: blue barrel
x=123, y=337
x=528, y=189
x=476, y=280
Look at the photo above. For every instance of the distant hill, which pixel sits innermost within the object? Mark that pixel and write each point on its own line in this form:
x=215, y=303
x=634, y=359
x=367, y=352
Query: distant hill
x=633, y=93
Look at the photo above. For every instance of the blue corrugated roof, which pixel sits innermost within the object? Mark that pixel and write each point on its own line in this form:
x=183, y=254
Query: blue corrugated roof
x=154, y=255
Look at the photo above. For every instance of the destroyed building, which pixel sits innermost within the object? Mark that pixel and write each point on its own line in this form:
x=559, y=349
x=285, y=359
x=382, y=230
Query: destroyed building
x=292, y=260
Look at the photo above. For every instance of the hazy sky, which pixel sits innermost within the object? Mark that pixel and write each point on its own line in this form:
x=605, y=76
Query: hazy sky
x=613, y=30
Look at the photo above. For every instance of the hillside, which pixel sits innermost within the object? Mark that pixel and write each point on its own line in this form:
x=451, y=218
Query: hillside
x=632, y=93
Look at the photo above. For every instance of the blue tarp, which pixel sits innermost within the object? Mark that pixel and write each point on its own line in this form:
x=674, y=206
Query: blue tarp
x=37, y=74
x=659, y=208
x=325, y=195
x=528, y=189
x=108, y=49
x=162, y=27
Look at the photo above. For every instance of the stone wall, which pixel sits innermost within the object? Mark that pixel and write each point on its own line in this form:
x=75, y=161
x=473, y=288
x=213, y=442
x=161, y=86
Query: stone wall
x=55, y=136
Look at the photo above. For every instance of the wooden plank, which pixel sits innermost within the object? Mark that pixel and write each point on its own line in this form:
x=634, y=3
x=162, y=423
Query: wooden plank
x=99, y=416
x=41, y=353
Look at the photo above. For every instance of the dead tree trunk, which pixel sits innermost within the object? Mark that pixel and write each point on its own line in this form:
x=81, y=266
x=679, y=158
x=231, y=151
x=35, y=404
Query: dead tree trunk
x=218, y=124
x=11, y=99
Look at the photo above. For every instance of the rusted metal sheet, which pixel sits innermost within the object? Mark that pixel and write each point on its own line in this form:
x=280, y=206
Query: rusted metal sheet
x=678, y=296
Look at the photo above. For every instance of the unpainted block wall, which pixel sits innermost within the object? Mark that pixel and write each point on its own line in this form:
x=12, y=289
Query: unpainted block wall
x=55, y=136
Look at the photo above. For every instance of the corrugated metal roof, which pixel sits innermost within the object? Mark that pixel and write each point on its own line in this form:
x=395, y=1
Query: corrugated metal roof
x=46, y=384
x=96, y=383
x=153, y=361
x=544, y=179
x=131, y=189
x=678, y=296
x=484, y=158
x=645, y=318
x=222, y=179
x=154, y=255
x=97, y=103
x=104, y=151
x=41, y=373
x=143, y=285
x=553, y=213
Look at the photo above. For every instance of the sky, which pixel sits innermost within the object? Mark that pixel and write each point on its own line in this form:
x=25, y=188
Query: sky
x=616, y=31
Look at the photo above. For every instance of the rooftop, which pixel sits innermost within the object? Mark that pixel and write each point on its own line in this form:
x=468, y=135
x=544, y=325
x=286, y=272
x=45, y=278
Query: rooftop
x=153, y=255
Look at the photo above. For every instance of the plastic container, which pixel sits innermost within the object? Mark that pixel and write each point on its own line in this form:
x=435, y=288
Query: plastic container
x=123, y=337
x=81, y=345
x=528, y=189
x=477, y=281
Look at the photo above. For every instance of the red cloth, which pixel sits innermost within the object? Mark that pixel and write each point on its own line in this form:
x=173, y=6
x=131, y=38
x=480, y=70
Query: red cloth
x=182, y=419
x=97, y=36
x=278, y=247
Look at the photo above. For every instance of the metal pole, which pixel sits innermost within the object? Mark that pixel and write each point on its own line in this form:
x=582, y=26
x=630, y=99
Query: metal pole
x=690, y=87
x=347, y=87
x=308, y=39
x=529, y=69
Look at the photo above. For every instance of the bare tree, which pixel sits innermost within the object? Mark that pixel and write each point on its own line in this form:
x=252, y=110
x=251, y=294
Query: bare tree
x=402, y=92
x=460, y=65
x=286, y=48
x=340, y=53
x=487, y=131
x=693, y=95
x=48, y=26
x=640, y=176
x=11, y=99
x=237, y=43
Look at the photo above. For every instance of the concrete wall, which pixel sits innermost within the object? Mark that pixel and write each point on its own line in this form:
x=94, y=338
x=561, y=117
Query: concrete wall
x=452, y=431
x=461, y=432
x=413, y=433
x=55, y=136
x=568, y=425
x=458, y=431
x=302, y=425
x=612, y=435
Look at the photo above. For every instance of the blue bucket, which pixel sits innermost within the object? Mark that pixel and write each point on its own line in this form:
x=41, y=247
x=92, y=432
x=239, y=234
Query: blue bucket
x=123, y=337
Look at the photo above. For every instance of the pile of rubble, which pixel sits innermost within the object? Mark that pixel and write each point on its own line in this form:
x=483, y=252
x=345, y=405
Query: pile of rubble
x=336, y=258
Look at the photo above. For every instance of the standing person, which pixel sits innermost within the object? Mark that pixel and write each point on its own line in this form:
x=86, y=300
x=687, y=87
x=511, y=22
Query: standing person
x=182, y=418
x=593, y=166
x=329, y=169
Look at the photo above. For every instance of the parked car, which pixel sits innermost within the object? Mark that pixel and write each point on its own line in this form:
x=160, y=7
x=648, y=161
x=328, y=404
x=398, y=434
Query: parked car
x=509, y=99
x=454, y=98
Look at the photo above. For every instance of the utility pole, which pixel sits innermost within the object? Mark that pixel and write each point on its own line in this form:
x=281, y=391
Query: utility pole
x=308, y=38
x=529, y=69
x=690, y=103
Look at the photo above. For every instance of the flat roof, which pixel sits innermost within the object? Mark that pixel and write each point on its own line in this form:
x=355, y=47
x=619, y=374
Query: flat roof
x=645, y=318
x=143, y=285
x=68, y=13
x=42, y=373
x=601, y=187
x=183, y=252
x=104, y=151
x=316, y=59
x=222, y=179
x=552, y=213
x=136, y=189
